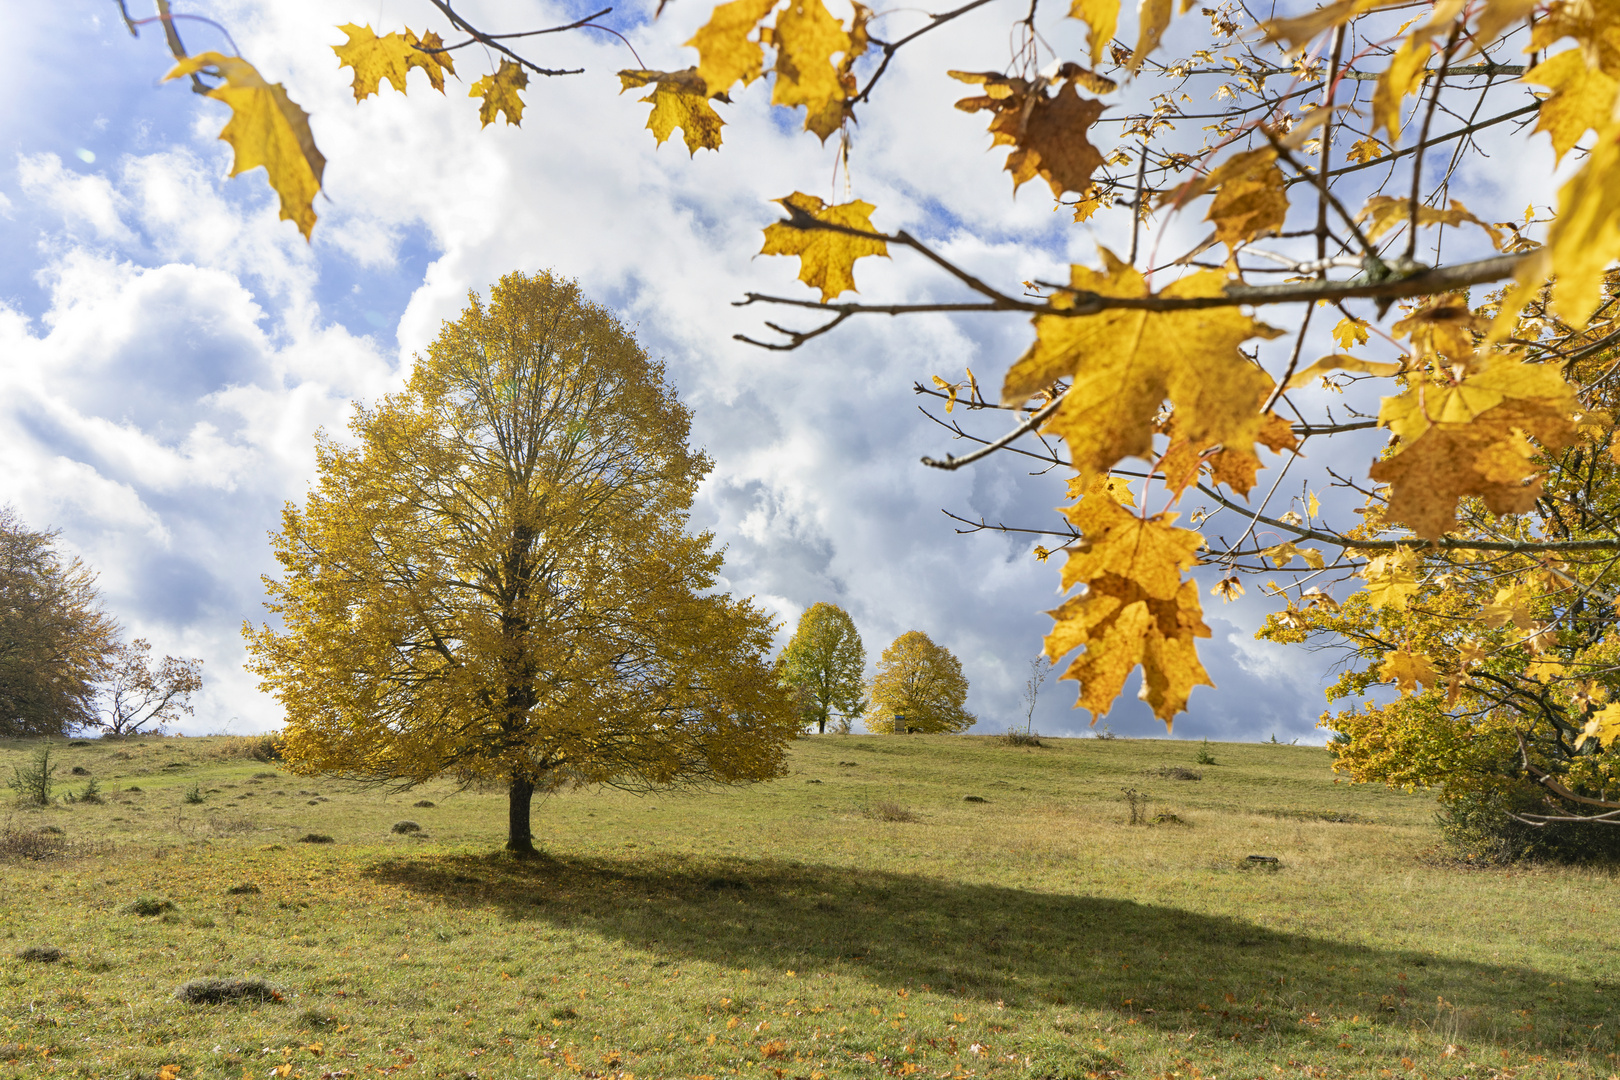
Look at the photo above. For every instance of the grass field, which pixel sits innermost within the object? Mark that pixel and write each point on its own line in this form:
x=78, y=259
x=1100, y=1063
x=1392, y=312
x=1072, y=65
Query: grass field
x=795, y=929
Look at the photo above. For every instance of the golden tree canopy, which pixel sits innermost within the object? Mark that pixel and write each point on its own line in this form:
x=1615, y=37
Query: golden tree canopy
x=826, y=662
x=921, y=682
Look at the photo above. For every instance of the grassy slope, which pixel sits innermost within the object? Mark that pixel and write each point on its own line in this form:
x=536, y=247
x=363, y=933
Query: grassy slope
x=779, y=930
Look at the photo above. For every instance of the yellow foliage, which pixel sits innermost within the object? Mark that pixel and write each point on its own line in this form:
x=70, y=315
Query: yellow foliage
x=500, y=94
x=679, y=100
x=826, y=258
x=921, y=682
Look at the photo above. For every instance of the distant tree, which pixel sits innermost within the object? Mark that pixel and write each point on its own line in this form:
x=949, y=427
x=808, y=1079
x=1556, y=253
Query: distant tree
x=136, y=694
x=826, y=663
x=496, y=582
x=922, y=682
x=1039, y=669
x=55, y=639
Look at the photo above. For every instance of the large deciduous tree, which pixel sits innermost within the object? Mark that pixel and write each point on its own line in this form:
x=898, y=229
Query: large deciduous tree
x=56, y=640
x=495, y=579
x=921, y=682
x=137, y=693
x=826, y=662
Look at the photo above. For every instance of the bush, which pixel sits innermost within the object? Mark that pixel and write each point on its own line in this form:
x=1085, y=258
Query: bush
x=1204, y=756
x=426, y=804
x=265, y=748
x=1020, y=738
x=1477, y=828
x=90, y=794
x=147, y=906
x=193, y=794
x=32, y=782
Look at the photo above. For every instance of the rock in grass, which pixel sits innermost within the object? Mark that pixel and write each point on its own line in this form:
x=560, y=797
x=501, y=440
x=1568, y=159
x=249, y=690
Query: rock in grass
x=40, y=954
x=218, y=991
x=148, y=905
x=405, y=827
x=315, y=838
x=425, y=804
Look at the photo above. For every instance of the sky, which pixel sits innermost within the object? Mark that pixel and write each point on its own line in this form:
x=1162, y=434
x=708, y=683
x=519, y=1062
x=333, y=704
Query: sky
x=168, y=347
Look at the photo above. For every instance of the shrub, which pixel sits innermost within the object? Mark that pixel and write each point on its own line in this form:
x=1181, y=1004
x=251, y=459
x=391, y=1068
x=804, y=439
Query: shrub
x=1014, y=737
x=218, y=991
x=1204, y=756
x=1178, y=772
x=1138, y=803
x=79, y=770
x=90, y=794
x=194, y=794
x=1478, y=828
x=266, y=748
x=406, y=827
x=32, y=782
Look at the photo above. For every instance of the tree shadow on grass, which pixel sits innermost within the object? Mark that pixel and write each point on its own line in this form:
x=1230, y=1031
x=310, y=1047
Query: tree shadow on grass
x=1160, y=966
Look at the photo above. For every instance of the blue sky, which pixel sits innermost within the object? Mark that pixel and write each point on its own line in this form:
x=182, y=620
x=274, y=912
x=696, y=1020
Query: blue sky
x=170, y=347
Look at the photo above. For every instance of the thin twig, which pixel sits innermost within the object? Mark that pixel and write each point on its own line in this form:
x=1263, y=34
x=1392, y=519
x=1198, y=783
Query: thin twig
x=1035, y=419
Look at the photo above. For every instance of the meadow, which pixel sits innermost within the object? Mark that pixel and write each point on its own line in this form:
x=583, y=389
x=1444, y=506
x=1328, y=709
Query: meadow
x=929, y=905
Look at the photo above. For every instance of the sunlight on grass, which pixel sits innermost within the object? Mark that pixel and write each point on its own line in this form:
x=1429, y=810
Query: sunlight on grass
x=1010, y=922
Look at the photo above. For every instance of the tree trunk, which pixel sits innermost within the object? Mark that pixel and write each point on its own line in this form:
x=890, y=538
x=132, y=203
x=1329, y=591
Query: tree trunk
x=821, y=725
x=519, y=836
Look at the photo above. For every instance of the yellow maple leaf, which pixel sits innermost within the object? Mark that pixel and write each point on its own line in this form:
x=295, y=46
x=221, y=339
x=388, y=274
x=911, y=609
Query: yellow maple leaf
x=1402, y=76
x=1510, y=604
x=1102, y=19
x=678, y=101
x=1544, y=669
x=1390, y=580
x=1585, y=236
x=427, y=53
x=1350, y=332
x=1136, y=609
x=266, y=128
x=1603, y=725
x=725, y=53
x=1384, y=212
x=1443, y=326
x=1313, y=506
x=1250, y=197
x=1469, y=438
x=1048, y=132
x=500, y=94
x=1406, y=669
x=1119, y=489
x=1582, y=98
x=1125, y=363
x=1152, y=17
x=374, y=59
x=1364, y=150
x=1300, y=30
x=826, y=258
x=806, y=39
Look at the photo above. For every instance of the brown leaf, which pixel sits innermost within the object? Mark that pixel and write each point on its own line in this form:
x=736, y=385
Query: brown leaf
x=1048, y=132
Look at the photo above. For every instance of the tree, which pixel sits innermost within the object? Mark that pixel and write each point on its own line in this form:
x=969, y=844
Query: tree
x=1321, y=143
x=1039, y=668
x=828, y=662
x=136, y=693
x=55, y=638
x=495, y=581
x=922, y=682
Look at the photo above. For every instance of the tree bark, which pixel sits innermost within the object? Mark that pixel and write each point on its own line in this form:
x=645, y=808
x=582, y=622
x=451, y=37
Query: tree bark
x=519, y=836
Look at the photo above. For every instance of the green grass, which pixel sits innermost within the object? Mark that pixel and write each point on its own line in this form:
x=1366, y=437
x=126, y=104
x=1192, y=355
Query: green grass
x=783, y=930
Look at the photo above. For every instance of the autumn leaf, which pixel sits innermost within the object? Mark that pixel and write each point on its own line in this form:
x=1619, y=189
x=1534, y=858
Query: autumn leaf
x=1603, y=725
x=1384, y=212
x=1152, y=17
x=1250, y=199
x=266, y=128
x=1443, y=326
x=1585, y=236
x=374, y=59
x=678, y=101
x=826, y=258
x=1350, y=332
x=1364, y=150
x=1124, y=363
x=1136, y=609
x=1102, y=19
x=806, y=39
x=725, y=53
x=1340, y=362
x=500, y=93
x=1048, y=132
x=1582, y=98
x=428, y=54
x=1403, y=76
x=1471, y=437
x=1509, y=605
x=1390, y=580
x=1301, y=30
x=1406, y=669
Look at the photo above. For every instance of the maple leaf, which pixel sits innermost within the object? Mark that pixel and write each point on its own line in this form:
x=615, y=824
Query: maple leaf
x=374, y=59
x=1136, y=609
x=1250, y=199
x=826, y=258
x=725, y=54
x=1385, y=212
x=1101, y=18
x=1238, y=468
x=1585, y=236
x=1401, y=77
x=1228, y=589
x=1443, y=326
x=1152, y=17
x=1340, y=362
x=1406, y=669
x=1603, y=725
x=1350, y=332
x=266, y=128
x=806, y=38
x=500, y=93
x=1299, y=31
x=1048, y=132
x=1124, y=363
x=1364, y=150
x=1582, y=98
x=428, y=53
x=678, y=101
x=1390, y=580
x=1510, y=604
x=1471, y=437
